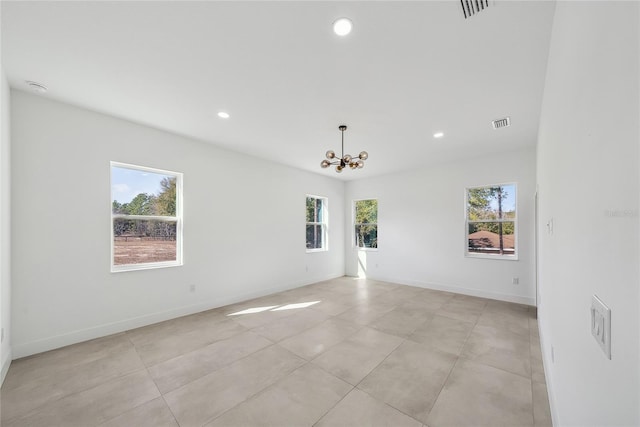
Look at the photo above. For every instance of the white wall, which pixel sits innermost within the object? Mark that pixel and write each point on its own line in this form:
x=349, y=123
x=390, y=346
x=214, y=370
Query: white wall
x=588, y=175
x=421, y=228
x=5, y=228
x=244, y=222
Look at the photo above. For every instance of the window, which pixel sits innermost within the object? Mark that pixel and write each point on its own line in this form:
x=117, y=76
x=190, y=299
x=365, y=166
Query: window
x=366, y=223
x=146, y=218
x=316, y=224
x=491, y=221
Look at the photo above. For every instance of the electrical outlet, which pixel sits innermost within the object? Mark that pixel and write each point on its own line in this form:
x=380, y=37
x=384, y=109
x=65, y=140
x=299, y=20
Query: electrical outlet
x=515, y=281
x=601, y=325
x=192, y=288
x=550, y=227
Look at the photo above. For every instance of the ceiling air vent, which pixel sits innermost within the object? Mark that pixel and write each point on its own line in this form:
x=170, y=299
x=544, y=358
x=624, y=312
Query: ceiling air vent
x=501, y=123
x=471, y=7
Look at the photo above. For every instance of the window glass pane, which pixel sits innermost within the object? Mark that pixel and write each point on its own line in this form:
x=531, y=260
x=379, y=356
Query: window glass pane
x=367, y=236
x=310, y=209
x=366, y=211
x=143, y=241
x=315, y=209
x=492, y=238
x=140, y=192
x=319, y=211
x=491, y=203
x=315, y=236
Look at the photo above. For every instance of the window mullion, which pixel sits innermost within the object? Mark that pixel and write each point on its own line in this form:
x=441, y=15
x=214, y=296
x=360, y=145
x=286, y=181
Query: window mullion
x=146, y=217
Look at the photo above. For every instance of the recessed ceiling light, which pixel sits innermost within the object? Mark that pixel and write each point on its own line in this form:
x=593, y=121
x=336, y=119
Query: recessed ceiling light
x=36, y=87
x=438, y=134
x=223, y=115
x=342, y=26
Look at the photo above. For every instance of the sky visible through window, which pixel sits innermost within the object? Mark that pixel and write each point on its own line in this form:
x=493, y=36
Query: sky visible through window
x=508, y=199
x=128, y=183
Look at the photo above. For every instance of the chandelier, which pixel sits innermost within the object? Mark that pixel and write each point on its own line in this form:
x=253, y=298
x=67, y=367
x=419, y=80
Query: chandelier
x=346, y=159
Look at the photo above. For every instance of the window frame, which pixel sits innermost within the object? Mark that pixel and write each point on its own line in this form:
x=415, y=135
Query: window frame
x=324, y=223
x=178, y=219
x=354, y=237
x=505, y=257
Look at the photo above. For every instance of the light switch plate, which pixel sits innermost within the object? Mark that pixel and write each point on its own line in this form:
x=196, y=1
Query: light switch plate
x=601, y=325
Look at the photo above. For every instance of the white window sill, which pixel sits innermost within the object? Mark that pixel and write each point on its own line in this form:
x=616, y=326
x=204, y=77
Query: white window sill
x=150, y=266
x=310, y=251
x=496, y=257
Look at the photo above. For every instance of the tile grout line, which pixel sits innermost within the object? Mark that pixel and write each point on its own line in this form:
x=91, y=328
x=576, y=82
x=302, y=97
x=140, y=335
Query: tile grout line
x=170, y=410
x=297, y=333
x=404, y=339
x=221, y=367
x=361, y=327
x=496, y=367
x=336, y=404
x=354, y=387
x=458, y=357
x=246, y=356
x=393, y=407
x=381, y=362
x=146, y=368
x=261, y=391
x=38, y=408
x=215, y=370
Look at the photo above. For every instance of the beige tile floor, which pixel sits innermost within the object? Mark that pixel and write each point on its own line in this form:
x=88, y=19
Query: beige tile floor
x=365, y=353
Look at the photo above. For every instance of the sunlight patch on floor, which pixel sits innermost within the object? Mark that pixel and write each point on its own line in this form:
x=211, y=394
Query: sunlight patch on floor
x=254, y=310
x=294, y=306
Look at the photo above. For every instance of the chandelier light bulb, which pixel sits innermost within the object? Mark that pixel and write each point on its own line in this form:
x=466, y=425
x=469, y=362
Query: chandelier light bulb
x=363, y=155
x=347, y=158
x=360, y=164
x=331, y=154
x=339, y=169
x=325, y=164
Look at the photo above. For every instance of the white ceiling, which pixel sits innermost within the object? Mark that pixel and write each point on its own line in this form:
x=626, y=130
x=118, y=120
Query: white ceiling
x=407, y=70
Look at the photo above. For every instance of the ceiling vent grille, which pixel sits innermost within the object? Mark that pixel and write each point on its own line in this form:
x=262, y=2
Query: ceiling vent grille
x=501, y=123
x=471, y=7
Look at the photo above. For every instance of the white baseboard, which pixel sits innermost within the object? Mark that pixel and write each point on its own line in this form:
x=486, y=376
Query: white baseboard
x=461, y=290
x=546, y=365
x=5, y=366
x=62, y=340
x=73, y=337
